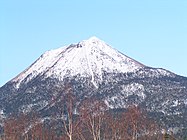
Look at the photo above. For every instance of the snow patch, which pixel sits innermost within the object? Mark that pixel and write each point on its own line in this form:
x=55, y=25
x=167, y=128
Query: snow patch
x=29, y=107
x=120, y=100
x=175, y=103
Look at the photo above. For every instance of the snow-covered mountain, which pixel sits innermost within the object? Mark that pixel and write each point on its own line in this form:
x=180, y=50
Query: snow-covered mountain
x=95, y=69
x=87, y=58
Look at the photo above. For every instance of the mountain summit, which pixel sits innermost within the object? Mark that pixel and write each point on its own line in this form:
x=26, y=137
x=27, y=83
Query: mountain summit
x=93, y=69
x=88, y=58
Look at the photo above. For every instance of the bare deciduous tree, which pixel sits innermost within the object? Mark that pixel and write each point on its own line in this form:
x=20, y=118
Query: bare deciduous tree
x=138, y=124
x=115, y=126
x=68, y=105
x=14, y=127
x=92, y=115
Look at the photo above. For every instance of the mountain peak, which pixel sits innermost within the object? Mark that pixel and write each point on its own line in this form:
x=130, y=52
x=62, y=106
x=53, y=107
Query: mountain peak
x=93, y=39
x=88, y=58
x=92, y=42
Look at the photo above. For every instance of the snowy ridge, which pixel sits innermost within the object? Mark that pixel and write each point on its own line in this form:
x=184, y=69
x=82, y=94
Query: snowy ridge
x=88, y=58
x=41, y=65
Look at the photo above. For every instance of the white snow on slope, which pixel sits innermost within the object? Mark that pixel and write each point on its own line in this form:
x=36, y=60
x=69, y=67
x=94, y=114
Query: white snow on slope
x=91, y=58
x=120, y=100
x=46, y=61
x=88, y=58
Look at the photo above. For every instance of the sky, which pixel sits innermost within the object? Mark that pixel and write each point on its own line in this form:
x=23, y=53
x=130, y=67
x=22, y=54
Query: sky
x=153, y=32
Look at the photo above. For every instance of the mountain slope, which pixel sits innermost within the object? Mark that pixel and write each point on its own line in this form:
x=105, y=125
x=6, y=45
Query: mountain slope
x=89, y=57
x=94, y=69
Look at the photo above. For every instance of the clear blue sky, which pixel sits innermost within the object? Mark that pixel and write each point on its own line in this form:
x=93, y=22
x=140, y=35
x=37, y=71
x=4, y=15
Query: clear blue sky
x=153, y=32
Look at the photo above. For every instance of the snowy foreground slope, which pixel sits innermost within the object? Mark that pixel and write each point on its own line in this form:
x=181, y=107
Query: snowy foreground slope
x=94, y=69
